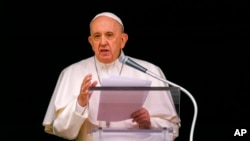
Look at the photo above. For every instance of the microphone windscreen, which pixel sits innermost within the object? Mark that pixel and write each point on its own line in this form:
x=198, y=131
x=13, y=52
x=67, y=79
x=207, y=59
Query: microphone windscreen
x=123, y=58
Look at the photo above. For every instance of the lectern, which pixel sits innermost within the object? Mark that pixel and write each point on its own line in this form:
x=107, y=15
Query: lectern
x=129, y=98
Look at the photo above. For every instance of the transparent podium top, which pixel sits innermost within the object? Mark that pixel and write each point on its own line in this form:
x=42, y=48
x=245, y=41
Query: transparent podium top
x=110, y=109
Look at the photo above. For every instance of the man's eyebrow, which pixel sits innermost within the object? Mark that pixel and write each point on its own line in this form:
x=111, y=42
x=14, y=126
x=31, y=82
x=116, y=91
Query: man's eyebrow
x=96, y=33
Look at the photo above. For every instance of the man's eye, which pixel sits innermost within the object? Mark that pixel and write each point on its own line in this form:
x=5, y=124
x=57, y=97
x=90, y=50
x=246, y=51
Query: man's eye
x=110, y=35
x=96, y=36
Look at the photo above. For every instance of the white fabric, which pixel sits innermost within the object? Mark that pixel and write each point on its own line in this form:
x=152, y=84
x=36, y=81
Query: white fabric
x=110, y=15
x=71, y=124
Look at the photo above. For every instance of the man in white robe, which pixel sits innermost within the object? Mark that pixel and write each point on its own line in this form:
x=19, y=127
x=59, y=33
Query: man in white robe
x=72, y=108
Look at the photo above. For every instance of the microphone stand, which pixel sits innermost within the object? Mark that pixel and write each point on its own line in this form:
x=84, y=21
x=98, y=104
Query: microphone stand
x=188, y=94
x=133, y=64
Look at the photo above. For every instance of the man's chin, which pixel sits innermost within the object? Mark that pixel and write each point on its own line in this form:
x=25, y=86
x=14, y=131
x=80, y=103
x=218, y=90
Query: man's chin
x=106, y=60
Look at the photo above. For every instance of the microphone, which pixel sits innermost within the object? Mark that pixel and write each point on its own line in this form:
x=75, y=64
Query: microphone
x=125, y=60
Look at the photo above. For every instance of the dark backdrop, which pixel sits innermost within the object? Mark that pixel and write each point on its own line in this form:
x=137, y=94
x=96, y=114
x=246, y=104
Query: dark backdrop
x=201, y=46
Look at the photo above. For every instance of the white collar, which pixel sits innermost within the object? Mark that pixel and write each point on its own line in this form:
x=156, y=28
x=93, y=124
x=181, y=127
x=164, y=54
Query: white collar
x=114, y=64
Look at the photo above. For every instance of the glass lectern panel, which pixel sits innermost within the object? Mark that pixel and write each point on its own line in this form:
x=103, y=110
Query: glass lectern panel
x=110, y=108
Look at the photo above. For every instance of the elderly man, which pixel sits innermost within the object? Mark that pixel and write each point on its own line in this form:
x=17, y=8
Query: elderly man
x=68, y=113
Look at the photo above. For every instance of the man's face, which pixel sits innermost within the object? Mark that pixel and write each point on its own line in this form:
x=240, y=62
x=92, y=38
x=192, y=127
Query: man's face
x=107, y=39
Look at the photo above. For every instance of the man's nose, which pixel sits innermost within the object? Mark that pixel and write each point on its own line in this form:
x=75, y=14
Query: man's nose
x=103, y=40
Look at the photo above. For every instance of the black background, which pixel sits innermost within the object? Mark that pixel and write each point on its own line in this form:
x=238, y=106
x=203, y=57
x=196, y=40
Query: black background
x=202, y=46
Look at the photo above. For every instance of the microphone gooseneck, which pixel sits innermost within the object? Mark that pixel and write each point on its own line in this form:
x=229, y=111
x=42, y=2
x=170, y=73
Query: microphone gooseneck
x=124, y=59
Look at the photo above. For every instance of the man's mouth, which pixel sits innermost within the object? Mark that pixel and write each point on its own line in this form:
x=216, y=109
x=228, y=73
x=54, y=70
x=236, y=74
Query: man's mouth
x=104, y=50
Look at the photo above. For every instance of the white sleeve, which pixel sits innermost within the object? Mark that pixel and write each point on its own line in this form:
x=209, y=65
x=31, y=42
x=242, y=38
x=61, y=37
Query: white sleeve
x=69, y=121
x=79, y=109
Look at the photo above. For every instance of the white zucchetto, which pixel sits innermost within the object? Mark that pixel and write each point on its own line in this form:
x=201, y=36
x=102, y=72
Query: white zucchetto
x=110, y=15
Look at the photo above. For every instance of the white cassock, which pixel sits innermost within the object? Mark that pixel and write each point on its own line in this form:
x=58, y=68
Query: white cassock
x=66, y=119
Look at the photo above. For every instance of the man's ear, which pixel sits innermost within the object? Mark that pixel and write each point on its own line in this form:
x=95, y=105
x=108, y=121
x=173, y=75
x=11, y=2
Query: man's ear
x=90, y=39
x=124, y=39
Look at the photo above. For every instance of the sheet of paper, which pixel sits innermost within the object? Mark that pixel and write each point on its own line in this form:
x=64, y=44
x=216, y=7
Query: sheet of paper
x=119, y=105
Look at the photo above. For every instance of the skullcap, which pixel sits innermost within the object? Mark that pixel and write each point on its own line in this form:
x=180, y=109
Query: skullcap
x=110, y=15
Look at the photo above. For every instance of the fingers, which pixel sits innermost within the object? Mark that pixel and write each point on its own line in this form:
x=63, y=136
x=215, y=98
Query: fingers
x=84, y=91
x=141, y=113
x=142, y=118
x=86, y=82
x=92, y=85
x=144, y=125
